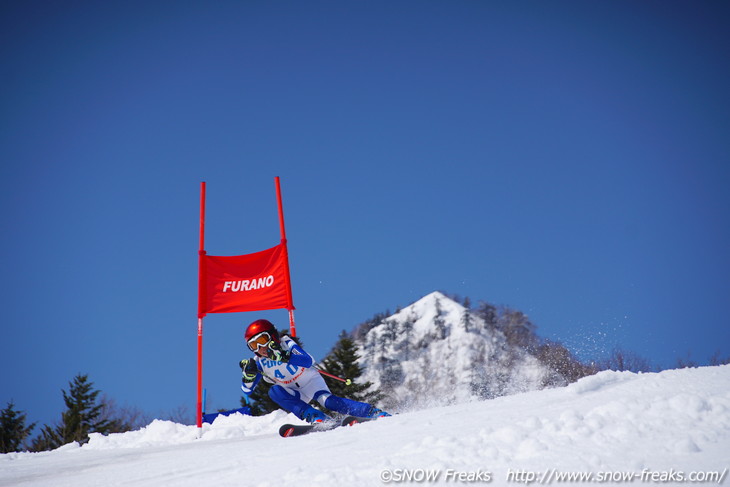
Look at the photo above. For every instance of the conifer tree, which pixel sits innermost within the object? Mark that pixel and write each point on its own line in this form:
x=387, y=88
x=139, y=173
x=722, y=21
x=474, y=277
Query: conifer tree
x=342, y=362
x=82, y=416
x=407, y=327
x=466, y=318
x=439, y=322
x=13, y=430
x=488, y=313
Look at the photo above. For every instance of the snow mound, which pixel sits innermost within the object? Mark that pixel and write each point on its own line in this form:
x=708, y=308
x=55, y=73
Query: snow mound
x=159, y=432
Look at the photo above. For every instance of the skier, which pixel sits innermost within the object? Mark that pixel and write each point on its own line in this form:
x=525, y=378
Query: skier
x=280, y=361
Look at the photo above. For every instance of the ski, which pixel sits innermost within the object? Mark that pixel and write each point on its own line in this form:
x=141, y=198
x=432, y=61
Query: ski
x=353, y=420
x=287, y=430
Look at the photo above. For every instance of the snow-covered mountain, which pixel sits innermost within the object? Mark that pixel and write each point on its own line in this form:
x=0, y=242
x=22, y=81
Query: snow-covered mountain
x=438, y=352
x=670, y=428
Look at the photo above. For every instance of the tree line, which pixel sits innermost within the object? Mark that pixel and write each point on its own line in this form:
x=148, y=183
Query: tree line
x=520, y=331
x=87, y=411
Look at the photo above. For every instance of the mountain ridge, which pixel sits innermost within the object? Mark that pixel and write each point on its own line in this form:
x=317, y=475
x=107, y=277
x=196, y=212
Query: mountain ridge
x=436, y=351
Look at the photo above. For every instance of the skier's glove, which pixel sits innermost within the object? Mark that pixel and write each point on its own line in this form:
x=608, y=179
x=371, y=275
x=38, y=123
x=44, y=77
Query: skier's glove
x=248, y=370
x=276, y=353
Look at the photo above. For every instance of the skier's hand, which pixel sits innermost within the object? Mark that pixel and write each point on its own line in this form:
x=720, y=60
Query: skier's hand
x=248, y=370
x=276, y=353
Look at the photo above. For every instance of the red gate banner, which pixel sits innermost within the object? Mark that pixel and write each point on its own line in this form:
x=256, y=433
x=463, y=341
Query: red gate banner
x=251, y=282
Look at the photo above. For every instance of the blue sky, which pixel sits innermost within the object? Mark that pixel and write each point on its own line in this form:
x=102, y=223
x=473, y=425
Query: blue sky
x=568, y=159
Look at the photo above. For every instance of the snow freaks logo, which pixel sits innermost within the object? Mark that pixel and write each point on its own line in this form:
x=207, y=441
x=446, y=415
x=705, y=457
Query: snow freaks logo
x=248, y=284
x=419, y=475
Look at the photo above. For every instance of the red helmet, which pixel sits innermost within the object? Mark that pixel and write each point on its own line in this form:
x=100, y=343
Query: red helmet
x=260, y=333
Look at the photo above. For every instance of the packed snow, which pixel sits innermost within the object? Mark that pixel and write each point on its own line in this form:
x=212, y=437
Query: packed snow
x=614, y=427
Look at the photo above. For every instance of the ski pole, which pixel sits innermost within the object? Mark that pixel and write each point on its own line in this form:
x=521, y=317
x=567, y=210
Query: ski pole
x=346, y=381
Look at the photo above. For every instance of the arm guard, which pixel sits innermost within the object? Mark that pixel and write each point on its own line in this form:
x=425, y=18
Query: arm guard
x=297, y=355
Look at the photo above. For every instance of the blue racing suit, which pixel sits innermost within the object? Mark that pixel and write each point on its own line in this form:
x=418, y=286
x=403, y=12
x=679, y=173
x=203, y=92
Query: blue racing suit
x=297, y=382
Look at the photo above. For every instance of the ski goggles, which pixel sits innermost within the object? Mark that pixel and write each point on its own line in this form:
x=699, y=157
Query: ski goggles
x=258, y=341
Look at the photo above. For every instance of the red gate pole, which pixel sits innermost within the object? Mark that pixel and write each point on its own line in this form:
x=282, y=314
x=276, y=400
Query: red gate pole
x=290, y=300
x=201, y=314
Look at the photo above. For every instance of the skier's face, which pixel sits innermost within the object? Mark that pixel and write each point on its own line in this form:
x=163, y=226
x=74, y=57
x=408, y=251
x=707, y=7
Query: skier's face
x=259, y=343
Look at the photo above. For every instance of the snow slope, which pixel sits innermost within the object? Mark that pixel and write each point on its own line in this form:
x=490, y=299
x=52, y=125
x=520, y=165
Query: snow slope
x=613, y=423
